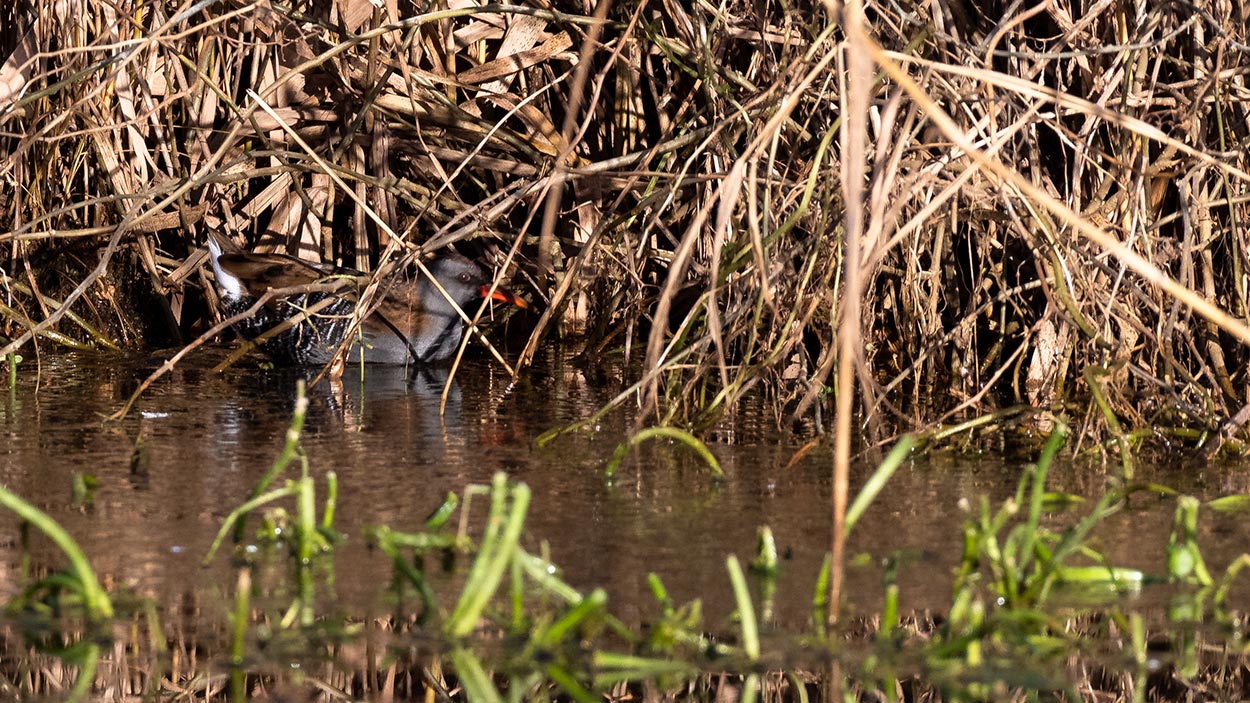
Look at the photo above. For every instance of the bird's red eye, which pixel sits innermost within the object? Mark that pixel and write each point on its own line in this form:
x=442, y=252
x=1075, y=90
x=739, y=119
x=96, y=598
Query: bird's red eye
x=465, y=277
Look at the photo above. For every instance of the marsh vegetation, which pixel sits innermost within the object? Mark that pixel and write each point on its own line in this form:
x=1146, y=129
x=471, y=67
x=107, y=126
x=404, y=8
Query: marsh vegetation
x=921, y=227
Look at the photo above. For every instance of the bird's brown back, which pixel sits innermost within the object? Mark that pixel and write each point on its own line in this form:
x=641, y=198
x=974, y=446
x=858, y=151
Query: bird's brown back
x=259, y=273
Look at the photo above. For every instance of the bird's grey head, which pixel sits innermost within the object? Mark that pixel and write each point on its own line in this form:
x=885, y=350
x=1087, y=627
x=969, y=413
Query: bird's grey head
x=460, y=277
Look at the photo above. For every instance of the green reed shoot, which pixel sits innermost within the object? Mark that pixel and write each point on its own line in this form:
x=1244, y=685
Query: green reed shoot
x=820, y=598
x=307, y=540
x=673, y=433
x=590, y=605
x=508, y=508
x=394, y=544
x=765, y=561
x=476, y=682
x=95, y=600
x=12, y=359
x=1141, y=670
x=748, y=624
x=1185, y=562
x=764, y=565
x=82, y=580
x=291, y=451
x=443, y=512
x=890, y=611
x=746, y=610
x=1093, y=378
x=543, y=573
x=677, y=626
x=83, y=487
x=236, y=516
x=877, y=482
x=1230, y=575
x=1037, y=482
x=239, y=622
x=1024, y=560
x=310, y=534
x=332, y=501
x=612, y=668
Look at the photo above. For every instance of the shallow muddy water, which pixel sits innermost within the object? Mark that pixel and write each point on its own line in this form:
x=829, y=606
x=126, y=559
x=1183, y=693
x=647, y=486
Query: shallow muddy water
x=204, y=439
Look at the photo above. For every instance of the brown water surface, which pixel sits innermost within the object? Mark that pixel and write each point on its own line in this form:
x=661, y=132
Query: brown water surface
x=206, y=438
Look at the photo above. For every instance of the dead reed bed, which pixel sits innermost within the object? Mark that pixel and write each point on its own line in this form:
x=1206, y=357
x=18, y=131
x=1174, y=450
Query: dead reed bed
x=1048, y=199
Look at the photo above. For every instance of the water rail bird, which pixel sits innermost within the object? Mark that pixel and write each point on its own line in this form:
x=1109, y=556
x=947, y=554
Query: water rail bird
x=410, y=323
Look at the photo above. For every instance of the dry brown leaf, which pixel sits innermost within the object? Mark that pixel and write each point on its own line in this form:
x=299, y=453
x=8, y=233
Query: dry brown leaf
x=355, y=12
x=294, y=220
x=18, y=69
x=476, y=31
x=266, y=199
x=510, y=65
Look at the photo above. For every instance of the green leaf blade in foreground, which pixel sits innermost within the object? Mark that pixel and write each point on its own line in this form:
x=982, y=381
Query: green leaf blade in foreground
x=99, y=606
x=878, y=480
x=493, y=557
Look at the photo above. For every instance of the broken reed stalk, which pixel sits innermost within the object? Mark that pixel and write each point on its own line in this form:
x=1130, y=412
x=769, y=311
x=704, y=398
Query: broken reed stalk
x=855, y=105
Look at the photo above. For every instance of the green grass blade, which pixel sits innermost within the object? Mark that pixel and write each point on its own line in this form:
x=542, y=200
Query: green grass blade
x=97, y=601
x=876, y=483
x=670, y=433
x=491, y=561
x=746, y=611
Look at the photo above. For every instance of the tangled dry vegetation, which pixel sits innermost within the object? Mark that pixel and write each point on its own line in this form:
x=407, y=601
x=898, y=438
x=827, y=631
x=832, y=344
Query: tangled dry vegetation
x=1054, y=201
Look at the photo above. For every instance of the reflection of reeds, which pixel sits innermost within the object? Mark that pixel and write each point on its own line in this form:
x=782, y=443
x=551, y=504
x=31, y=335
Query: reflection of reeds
x=1036, y=194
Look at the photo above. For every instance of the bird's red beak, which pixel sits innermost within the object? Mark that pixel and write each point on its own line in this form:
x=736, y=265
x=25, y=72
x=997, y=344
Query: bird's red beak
x=503, y=295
